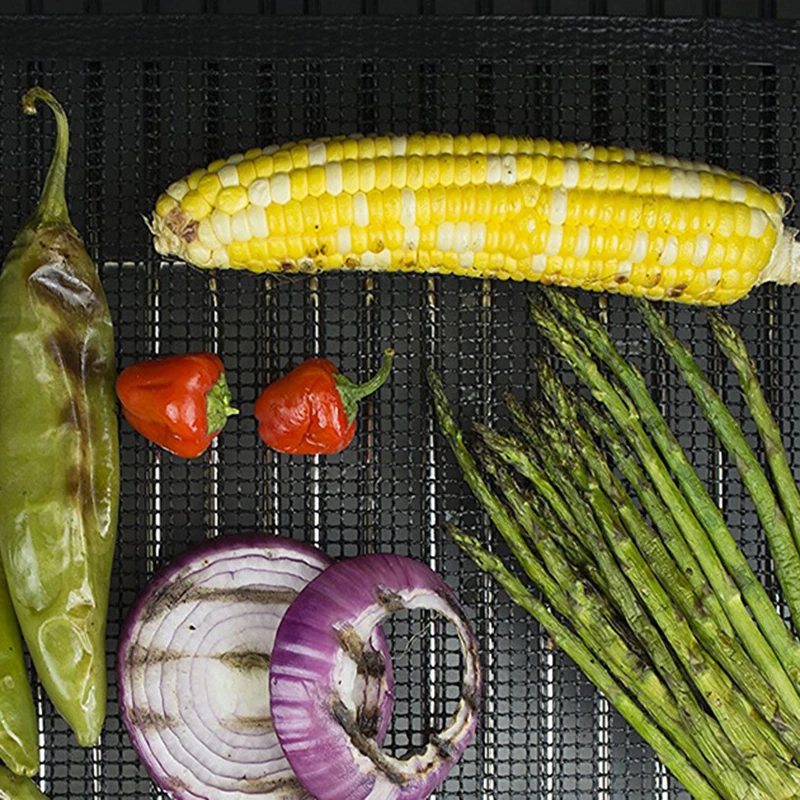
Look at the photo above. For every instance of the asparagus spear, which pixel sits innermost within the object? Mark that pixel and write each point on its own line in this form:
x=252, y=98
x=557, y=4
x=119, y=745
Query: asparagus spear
x=775, y=650
x=671, y=755
x=725, y=649
x=710, y=735
x=732, y=344
x=752, y=737
x=776, y=528
x=600, y=637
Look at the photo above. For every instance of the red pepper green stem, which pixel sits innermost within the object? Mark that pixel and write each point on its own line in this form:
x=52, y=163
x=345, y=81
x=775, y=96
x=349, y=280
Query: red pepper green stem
x=351, y=392
x=218, y=406
x=52, y=208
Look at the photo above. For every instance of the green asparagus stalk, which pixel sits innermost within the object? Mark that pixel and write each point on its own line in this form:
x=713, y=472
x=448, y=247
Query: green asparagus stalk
x=781, y=544
x=775, y=651
x=725, y=649
x=600, y=637
x=764, y=754
x=751, y=734
x=732, y=344
x=671, y=755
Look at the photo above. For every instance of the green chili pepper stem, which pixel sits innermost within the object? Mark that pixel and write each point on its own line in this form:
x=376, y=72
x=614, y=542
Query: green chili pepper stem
x=218, y=405
x=52, y=208
x=351, y=392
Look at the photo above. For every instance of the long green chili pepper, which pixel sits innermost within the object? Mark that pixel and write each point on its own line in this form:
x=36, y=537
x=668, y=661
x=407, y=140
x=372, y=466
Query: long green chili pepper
x=18, y=731
x=14, y=787
x=59, y=458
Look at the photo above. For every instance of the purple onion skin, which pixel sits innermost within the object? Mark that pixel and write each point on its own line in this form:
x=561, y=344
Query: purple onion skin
x=195, y=559
x=313, y=727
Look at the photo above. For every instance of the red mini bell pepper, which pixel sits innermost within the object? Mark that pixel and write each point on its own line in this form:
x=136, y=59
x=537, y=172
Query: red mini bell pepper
x=179, y=402
x=312, y=409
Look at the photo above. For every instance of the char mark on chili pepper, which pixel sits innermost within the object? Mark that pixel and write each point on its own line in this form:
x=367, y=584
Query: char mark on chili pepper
x=54, y=285
x=64, y=349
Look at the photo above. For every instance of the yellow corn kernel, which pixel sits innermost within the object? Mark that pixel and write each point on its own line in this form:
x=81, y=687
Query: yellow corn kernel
x=276, y=220
x=209, y=187
x=350, y=177
x=316, y=180
x=231, y=199
x=344, y=210
x=247, y=172
x=282, y=161
x=430, y=171
x=195, y=205
x=350, y=149
x=164, y=205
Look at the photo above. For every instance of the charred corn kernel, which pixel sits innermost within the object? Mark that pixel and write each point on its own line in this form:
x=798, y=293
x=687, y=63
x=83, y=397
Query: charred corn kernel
x=606, y=218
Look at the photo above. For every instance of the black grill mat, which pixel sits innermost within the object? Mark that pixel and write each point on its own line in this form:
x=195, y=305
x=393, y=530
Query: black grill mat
x=151, y=98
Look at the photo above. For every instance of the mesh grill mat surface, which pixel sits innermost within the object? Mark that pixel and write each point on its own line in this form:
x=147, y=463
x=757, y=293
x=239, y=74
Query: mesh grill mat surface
x=150, y=99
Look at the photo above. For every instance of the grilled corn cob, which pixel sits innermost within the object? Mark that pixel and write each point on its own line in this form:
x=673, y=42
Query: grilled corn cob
x=601, y=218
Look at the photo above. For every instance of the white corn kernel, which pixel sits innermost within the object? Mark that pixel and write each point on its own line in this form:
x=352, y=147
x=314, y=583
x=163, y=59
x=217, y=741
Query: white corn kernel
x=399, y=145
x=628, y=154
x=585, y=150
x=384, y=258
x=444, y=236
x=360, y=210
x=466, y=260
x=582, y=243
x=236, y=158
x=670, y=252
x=333, y=178
x=221, y=223
x=369, y=259
x=198, y=254
x=240, y=227
x=701, y=248
x=280, y=188
x=178, y=190
x=738, y=191
x=206, y=235
x=408, y=208
x=257, y=218
x=677, y=184
x=259, y=193
x=477, y=242
x=316, y=154
x=461, y=236
x=639, y=251
x=558, y=205
x=714, y=276
x=692, y=187
x=758, y=222
x=270, y=150
x=228, y=175
x=494, y=169
x=411, y=238
x=509, y=169
x=344, y=241
x=571, y=173
x=555, y=237
x=624, y=269
x=538, y=264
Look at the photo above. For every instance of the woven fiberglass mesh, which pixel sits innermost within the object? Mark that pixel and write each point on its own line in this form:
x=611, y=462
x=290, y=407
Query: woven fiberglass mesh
x=148, y=106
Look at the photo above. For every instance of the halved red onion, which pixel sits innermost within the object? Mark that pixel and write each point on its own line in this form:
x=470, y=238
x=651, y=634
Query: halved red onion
x=322, y=655
x=193, y=668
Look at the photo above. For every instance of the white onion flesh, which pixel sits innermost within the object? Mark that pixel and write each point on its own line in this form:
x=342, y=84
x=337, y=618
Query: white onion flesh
x=193, y=668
